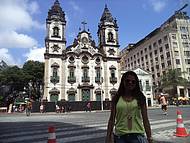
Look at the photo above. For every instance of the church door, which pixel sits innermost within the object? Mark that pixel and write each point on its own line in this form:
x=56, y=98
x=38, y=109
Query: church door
x=85, y=94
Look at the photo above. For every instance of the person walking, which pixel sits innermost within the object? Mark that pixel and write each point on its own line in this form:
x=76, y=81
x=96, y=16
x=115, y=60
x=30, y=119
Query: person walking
x=28, y=108
x=88, y=107
x=128, y=117
x=41, y=108
x=163, y=102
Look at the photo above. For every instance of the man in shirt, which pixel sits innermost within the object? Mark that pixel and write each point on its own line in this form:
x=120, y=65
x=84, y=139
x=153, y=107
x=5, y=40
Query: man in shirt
x=163, y=102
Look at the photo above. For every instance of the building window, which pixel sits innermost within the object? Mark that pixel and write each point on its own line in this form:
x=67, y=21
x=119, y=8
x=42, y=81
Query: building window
x=174, y=36
x=140, y=85
x=161, y=49
x=110, y=37
x=177, y=61
x=160, y=41
x=71, y=97
x=184, y=36
x=147, y=85
x=168, y=54
x=85, y=77
x=165, y=38
x=71, y=59
x=56, y=32
x=85, y=59
x=54, y=78
x=150, y=48
x=54, y=98
x=187, y=61
x=183, y=29
x=166, y=46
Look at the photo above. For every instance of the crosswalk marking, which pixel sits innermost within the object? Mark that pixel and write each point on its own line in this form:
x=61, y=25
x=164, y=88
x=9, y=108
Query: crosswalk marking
x=68, y=132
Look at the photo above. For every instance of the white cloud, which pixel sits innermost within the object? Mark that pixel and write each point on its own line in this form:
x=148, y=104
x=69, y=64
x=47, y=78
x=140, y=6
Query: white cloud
x=33, y=7
x=16, y=16
x=36, y=54
x=6, y=56
x=158, y=5
x=11, y=39
x=16, y=21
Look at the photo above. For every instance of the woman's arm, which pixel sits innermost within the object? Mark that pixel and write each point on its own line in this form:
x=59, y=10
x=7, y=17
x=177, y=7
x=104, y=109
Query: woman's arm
x=111, y=122
x=146, y=123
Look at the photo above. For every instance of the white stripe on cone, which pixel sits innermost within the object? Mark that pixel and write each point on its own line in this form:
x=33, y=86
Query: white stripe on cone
x=51, y=136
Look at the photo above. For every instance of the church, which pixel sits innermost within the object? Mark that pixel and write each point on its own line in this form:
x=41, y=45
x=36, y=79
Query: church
x=82, y=71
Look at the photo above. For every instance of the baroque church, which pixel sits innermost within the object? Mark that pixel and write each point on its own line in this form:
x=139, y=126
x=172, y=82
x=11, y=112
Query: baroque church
x=82, y=71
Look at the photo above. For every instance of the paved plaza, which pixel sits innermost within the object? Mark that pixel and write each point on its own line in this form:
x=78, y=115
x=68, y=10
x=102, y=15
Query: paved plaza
x=83, y=127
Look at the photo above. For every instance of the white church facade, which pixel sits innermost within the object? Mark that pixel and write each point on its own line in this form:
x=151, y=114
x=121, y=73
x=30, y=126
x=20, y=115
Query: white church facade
x=82, y=71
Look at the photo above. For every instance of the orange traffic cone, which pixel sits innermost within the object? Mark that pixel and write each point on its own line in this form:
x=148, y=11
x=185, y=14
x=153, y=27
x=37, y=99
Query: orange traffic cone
x=52, y=137
x=180, y=129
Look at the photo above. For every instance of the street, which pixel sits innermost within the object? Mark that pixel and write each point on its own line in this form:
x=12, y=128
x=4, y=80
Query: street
x=83, y=127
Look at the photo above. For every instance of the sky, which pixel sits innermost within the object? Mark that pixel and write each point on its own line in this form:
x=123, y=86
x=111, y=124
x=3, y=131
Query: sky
x=23, y=23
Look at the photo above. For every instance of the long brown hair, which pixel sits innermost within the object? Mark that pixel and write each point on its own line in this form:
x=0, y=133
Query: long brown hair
x=137, y=94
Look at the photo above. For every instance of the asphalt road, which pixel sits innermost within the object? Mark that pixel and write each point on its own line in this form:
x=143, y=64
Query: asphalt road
x=83, y=127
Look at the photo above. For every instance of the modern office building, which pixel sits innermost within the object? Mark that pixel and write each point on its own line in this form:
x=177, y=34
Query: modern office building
x=166, y=47
x=81, y=71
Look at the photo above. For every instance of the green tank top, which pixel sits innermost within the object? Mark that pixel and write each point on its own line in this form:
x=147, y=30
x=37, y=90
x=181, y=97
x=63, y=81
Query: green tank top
x=124, y=110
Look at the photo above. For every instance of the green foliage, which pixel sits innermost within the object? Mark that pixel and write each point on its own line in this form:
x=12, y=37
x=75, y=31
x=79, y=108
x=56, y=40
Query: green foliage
x=172, y=79
x=18, y=78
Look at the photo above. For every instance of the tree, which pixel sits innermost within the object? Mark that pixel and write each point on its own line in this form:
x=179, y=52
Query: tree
x=34, y=74
x=171, y=80
x=13, y=77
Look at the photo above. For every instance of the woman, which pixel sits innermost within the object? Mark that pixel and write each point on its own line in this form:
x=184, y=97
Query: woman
x=128, y=111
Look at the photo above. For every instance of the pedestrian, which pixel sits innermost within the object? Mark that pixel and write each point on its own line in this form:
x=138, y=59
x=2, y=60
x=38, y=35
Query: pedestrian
x=41, y=108
x=57, y=109
x=163, y=102
x=28, y=107
x=128, y=115
x=88, y=106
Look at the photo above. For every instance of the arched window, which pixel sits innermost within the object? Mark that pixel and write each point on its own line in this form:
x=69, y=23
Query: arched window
x=110, y=37
x=56, y=31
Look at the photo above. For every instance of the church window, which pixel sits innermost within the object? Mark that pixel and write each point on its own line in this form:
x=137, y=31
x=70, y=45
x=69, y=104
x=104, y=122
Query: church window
x=56, y=31
x=72, y=72
x=54, y=72
x=110, y=37
x=112, y=73
x=113, y=78
x=85, y=77
x=71, y=59
x=54, y=98
x=85, y=59
x=97, y=60
x=85, y=73
x=71, y=97
x=98, y=73
x=55, y=78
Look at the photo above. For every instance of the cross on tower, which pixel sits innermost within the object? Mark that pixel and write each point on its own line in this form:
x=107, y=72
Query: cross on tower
x=84, y=23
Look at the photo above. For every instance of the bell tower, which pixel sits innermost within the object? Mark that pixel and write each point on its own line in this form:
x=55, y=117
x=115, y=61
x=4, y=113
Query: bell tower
x=108, y=34
x=55, y=41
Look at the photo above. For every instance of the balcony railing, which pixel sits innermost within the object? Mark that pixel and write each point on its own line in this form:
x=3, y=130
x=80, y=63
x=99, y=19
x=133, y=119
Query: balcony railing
x=113, y=80
x=71, y=79
x=85, y=79
x=98, y=79
x=54, y=79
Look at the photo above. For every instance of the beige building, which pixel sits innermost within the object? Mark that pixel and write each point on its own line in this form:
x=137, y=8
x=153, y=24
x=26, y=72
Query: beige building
x=81, y=71
x=167, y=47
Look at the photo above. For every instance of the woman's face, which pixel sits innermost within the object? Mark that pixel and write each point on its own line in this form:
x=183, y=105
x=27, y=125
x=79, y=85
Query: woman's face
x=130, y=82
